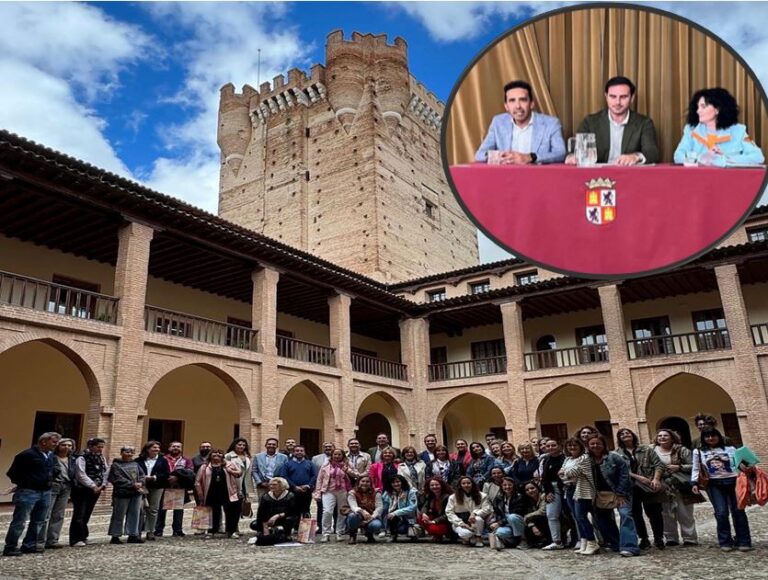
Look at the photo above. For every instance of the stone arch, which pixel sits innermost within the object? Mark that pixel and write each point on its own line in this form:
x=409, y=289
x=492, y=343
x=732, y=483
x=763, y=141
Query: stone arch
x=46, y=385
x=469, y=416
x=390, y=409
x=189, y=400
x=306, y=407
x=685, y=394
x=569, y=406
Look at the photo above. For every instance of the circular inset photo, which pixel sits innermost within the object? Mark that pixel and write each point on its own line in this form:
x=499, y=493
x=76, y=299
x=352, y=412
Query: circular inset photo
x=607, y=141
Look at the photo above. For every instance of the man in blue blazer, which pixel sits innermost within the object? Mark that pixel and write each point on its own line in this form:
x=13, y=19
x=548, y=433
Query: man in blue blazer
x=267, y=465
x=522, y=135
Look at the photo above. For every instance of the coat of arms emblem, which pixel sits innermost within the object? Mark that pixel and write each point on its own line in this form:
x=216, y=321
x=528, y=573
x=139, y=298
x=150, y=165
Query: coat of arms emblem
x=601, y=201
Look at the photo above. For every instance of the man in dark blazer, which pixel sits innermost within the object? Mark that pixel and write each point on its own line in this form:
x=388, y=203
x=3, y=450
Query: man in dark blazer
x=623, y=137
x=382, y=442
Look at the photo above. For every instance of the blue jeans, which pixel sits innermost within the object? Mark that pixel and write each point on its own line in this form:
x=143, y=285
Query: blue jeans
x=515, y=527
x=581, y=511
x=722, y=494
x=623, y=538
x=554, y=508
x=29, y=506
x=355, y=521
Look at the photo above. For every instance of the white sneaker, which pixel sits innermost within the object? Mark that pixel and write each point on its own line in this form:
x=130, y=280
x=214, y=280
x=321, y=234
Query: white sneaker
x=339, y=537
x=591, y=549
x=79, y=545
x=580, y=547
x=325, y=538
x=382, y=534
x=235, y=536
x=553, y=546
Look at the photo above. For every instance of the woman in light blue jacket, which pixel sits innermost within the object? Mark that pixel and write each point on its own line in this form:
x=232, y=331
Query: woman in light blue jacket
x=400, y=503
x=713, y=135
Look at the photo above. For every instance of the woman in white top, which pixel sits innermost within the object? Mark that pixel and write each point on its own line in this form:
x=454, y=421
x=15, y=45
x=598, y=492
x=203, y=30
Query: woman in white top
x=467, y=510
x=239, y=453
x=678, y=510
x=413, y=469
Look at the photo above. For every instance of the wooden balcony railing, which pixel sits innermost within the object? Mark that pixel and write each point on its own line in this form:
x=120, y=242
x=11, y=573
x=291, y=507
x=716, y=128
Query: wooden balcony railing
x=371, y=365
x=566, y=357
x=26, y=292
x=199, y=329
x=306, y=351
x=760, y=333
x=468, y=368
x=689, y=342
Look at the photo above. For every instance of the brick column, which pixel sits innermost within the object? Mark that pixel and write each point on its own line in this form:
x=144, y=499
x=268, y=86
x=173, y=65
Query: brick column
x=264, y=309
x=514, y=344
x=626, y=413
x=750, y=397
x=340, y=333
x=414, y=352
x=131, y=272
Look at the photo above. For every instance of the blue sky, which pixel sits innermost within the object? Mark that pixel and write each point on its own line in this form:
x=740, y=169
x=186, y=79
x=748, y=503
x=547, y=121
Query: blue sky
x=133, y=87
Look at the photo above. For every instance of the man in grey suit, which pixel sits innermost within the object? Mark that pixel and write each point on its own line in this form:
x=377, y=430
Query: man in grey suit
x=623, y=137
x=522, y=135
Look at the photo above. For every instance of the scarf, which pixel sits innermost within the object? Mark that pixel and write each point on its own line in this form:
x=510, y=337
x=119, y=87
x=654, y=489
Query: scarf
x=366, y=501
x=337, y=476
x=414, y=474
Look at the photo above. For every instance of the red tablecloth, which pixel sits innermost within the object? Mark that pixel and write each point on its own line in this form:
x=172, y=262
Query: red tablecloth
x=663, y=215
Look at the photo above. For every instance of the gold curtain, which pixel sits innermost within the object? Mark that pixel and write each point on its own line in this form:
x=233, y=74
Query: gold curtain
x=568, y=57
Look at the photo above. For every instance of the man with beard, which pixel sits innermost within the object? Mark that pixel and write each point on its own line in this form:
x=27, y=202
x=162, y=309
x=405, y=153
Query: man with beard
x=175, y=461
x=522, y=136
x=623, y=137
x=202, y=457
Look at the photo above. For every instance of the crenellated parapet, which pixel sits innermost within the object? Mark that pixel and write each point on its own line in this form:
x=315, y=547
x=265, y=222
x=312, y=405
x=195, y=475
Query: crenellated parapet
x=299, y=91
x=367, y=64
x=424, y=105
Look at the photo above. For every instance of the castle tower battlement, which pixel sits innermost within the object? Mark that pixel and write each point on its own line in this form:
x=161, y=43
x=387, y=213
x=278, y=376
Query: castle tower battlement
x=340, y=162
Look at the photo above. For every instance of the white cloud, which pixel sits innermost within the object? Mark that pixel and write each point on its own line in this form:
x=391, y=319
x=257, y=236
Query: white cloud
x=56, y=58
x=75, y=42
x=194, y=179
x=41, y=107
x=222, y=47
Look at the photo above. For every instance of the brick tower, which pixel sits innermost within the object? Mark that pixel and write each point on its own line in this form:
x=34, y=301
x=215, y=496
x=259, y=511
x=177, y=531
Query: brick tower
x=345, y=164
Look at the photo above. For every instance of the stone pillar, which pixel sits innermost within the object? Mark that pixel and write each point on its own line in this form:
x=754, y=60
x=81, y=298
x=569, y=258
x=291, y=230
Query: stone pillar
x=264, y=309
x=414, y=352
x=750, y=395
x=340, y=332
x=514, y=344
x=131, y=272
x=625, y=413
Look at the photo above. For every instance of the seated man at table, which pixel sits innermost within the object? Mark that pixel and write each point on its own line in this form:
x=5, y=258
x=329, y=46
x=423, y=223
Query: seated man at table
x=623, y=137
x=522, y=135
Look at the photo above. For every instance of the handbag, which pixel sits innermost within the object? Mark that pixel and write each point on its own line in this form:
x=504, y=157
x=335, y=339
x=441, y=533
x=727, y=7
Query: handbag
x=247, y=509
x=307, y=531
x=201, y=517
x=703, y=479
x=606, y=500
x=173, y=499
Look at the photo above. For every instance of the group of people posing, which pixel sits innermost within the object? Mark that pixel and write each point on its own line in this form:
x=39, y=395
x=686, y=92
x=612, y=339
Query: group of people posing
x=712, y=135
x=540, y=494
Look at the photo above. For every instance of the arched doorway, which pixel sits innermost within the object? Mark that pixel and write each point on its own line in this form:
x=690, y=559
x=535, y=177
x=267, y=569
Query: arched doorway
x=381, y=413
x=470, y=417
x=44, y=386
x=370, y=426
x=569, y=407
x=683, y=396
x=679, y=426
x=307, y=417
x=194, y=403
